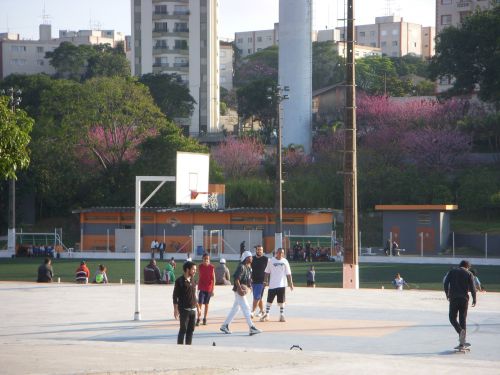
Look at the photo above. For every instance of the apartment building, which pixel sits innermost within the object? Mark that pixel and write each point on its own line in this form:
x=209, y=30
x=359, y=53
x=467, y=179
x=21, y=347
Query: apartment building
x=452, y=12
x=249, y=42
x=393, y=36
x=226, y=64
x=181, y=37
x=20, y=56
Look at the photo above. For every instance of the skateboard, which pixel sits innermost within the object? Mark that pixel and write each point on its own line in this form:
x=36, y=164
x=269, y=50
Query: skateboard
x=462, y=349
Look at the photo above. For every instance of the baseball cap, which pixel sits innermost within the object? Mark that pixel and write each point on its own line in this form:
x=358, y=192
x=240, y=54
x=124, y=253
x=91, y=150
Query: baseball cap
x=245, y=255
x=222, y=260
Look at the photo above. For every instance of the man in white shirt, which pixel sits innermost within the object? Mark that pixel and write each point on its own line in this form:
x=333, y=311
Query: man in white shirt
x=278, y=276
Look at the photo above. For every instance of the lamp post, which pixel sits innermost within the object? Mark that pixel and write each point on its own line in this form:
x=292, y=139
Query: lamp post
x=278, y=94
x=14, y=101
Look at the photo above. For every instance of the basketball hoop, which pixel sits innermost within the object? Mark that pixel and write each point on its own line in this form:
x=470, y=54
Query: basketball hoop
x=194, y=194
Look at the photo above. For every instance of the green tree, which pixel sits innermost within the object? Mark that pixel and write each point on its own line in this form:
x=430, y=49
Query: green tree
x=170, y=94
x=258, y=66
x=470, y=55
x=15, y=128
x=84, y=62
x=377, y=75
x=328, y=67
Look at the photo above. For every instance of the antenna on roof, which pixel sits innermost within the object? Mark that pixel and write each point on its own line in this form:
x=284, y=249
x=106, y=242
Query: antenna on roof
x=45, y=16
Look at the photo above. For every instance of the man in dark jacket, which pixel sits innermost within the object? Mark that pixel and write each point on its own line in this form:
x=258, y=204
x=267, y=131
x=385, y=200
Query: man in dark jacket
x=457, y=285
x=185, y=306
x=45, y=272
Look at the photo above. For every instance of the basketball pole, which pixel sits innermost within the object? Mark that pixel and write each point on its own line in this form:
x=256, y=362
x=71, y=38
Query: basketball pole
x=138, y=206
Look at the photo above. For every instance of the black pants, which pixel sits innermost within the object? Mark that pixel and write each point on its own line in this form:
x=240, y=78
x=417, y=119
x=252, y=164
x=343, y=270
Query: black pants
x=187, y=319
x=458, y=306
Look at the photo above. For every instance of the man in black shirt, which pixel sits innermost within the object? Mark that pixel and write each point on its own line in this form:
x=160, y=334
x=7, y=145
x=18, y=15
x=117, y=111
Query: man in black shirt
x=185, y=303
x=45, y=272
x=457, y=285
x=259, y=264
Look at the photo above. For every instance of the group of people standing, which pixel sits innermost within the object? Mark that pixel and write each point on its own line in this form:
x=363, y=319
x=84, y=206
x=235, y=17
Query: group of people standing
x=252, y=274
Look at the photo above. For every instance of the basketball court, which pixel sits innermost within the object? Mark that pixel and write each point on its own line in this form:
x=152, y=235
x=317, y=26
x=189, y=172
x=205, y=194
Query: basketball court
x=68, y=328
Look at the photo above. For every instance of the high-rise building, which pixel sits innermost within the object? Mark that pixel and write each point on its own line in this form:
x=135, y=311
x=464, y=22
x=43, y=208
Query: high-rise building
x=452, y=12
x=393, y=36
x=226, y=65
x=249, y=42
x=181, y=37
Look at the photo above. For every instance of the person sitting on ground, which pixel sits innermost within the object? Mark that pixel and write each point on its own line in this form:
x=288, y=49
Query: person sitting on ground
x=168, y=272
x=399, y=282
x=82, y=273
x=152, y=273
x=477, y=283
x=45, y=272
x=222, y=275
x=101, y=277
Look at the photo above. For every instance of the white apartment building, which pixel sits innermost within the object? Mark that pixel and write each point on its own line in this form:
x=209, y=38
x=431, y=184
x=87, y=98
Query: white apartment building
x=452, y=12
x=226, y=65
x=249, y=42
x=392, y=35
x=181, y=37
x=333, y=35
x=20, y=56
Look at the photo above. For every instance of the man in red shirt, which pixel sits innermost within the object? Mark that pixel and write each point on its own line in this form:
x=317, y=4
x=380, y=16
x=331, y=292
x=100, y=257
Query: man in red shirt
x=206, y=282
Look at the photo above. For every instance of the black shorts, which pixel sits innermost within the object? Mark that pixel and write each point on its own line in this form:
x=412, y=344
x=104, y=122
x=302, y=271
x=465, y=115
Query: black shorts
x=204, y=297
x=278, y=292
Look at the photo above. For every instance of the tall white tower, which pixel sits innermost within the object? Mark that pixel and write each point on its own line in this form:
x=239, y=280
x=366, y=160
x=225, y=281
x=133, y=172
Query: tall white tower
x=295, y=71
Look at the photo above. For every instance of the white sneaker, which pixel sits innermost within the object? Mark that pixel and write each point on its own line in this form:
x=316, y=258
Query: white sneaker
x=264, y=318
x=282, y=318
x=254, y=330
x=224, y=328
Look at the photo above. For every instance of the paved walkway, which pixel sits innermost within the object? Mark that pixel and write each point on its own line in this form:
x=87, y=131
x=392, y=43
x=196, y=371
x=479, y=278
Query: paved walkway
x=89, y=329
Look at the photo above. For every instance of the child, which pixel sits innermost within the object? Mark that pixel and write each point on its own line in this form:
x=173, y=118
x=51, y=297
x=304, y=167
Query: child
x=399, y=282
x=100, y=276
x=311, y=277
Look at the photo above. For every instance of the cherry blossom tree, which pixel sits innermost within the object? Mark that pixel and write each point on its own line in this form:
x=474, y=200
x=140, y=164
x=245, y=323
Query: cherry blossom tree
x=239, y=157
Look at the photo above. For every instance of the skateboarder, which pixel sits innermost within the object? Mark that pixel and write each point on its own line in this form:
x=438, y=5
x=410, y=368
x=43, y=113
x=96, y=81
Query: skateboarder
x=457, y=285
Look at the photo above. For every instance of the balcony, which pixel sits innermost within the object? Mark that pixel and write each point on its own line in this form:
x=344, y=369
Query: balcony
x=181, y=64
x=160, y=16
x=159, y=32
x=161, y=65
x=158, y=50
x=464, y=5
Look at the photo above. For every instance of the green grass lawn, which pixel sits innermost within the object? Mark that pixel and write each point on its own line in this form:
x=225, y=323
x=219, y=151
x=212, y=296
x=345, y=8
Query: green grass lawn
x=328, y=274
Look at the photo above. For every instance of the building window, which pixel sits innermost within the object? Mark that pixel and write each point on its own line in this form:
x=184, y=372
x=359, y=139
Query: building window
x=40, y=62
x=181, y=27
x=249, y=51
x=181, y=44
x=161, y=9
x=446, y=2
x=372, y=33
x=222, y=53
x=180, y=10
x=162, y=43
x=18, y=48
x=250, y=39
x=39, y=49
x=259, y=39
x=160, y=27
x=383, y=44
x=18, y=62
x=395, y=32
x=394, y=43
x=239, y=41
x=222, y=66
x=181, y=62
x=446, y=19
x=362, y=34
x=383, y=33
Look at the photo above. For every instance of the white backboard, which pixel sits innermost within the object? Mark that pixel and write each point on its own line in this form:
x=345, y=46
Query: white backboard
x=192, y=176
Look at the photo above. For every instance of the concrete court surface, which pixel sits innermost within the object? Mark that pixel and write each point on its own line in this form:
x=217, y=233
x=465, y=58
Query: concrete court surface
x=89, y=329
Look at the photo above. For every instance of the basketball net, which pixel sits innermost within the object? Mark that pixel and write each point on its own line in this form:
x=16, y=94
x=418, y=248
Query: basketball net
x=212, y=202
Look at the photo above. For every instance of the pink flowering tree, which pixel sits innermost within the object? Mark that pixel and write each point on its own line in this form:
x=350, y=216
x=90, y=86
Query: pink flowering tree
x=239, y=157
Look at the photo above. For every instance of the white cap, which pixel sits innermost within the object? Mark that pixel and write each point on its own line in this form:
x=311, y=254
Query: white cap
x=245, y=255
x=222, y=260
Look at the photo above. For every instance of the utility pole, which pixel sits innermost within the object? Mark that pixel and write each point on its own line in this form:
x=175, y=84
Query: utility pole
x=350, y=266
x=277, y=95
x=14, y=101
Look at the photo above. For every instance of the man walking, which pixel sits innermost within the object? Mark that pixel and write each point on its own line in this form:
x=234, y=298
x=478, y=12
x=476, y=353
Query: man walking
x=206, y=283
x=242, y=284
x=457, y=285
x=278, y=273
x=259, y=265
x=185, y=305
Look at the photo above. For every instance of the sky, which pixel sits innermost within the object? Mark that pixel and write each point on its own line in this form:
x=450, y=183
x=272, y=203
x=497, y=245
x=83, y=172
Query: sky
x=24, y=16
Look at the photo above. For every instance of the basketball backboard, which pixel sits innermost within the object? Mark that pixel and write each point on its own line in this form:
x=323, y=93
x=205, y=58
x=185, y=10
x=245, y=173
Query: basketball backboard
x=192, y=178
